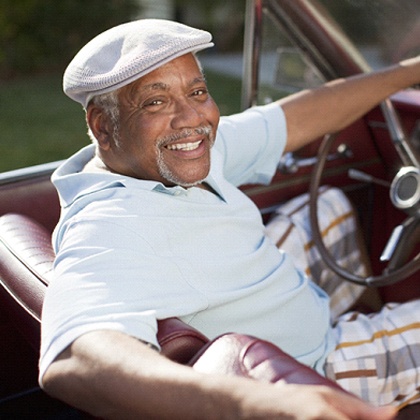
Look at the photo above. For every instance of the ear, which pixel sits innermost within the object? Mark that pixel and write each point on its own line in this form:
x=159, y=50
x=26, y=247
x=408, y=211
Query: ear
x=100, y=125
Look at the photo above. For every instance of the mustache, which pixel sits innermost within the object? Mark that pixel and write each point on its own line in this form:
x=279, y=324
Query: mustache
x=204, y=130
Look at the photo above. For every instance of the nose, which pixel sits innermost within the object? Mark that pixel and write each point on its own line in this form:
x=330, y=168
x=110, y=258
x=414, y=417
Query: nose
x=187, y=114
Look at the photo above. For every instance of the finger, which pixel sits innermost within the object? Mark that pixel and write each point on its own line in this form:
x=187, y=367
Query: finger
x=382, y=413
x=355, y=408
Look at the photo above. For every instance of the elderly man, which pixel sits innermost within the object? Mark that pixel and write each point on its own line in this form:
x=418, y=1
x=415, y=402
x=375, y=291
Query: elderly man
x=153, y=226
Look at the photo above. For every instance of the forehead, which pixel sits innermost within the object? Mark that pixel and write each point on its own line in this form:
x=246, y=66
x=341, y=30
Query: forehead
x=185, y=68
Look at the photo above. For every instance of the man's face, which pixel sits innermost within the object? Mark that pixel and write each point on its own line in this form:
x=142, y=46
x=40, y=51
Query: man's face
x=168, y=123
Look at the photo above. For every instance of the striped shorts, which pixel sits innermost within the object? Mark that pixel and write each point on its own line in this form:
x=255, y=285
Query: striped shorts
x=377, y=356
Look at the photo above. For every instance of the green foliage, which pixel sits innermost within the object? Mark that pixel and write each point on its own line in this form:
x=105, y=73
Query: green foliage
x=226, y=91
x=223, y=19
x=43, y=35
x=39, y=124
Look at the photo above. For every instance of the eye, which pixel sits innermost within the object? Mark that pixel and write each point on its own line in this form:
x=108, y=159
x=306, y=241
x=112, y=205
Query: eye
x=153, y=102
x=201, y=92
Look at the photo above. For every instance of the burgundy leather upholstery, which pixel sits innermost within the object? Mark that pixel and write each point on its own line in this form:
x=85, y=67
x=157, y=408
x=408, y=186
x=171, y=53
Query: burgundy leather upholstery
x=250, y=357
x=34, y=196
x=26, y=259
x=179, y=341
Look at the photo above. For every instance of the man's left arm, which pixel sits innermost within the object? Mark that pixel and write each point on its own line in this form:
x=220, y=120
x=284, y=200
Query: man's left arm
x=311, y=114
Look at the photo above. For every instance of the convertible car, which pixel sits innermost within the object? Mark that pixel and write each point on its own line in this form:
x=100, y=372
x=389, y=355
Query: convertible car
x=288, y=45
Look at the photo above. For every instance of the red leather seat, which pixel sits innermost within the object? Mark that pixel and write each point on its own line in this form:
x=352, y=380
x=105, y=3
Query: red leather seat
x=253, y=358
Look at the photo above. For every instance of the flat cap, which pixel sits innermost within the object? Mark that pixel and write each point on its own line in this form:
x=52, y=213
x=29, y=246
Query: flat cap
x=127, y=52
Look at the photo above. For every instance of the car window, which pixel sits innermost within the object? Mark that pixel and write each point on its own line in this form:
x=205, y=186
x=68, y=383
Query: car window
x=383, y=31
x=386, y=31
x=283, y=68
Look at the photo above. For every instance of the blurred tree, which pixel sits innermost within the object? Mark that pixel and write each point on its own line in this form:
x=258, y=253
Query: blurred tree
x=392, y=25
x=224, y=19
x=355, y=17
x=43, y=35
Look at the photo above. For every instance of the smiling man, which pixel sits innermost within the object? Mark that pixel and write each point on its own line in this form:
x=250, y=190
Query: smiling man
x=153, y=144
x=153, y=226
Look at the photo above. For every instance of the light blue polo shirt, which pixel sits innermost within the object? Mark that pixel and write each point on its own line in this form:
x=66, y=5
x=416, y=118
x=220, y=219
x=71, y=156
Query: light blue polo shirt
x=131, y=251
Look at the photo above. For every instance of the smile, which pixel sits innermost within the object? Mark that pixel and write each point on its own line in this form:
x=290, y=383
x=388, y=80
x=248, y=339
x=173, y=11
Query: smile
x=184, y=146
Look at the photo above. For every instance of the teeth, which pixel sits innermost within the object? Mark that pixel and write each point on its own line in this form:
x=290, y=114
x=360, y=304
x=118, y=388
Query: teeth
x=184, y=146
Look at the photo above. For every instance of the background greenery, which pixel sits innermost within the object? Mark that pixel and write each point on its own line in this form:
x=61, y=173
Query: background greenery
x=41, y=35
x=38, y=123
x=38, y=38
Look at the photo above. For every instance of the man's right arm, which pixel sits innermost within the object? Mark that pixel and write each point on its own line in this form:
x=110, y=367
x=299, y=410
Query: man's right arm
x=335, y=105
x=112, y=375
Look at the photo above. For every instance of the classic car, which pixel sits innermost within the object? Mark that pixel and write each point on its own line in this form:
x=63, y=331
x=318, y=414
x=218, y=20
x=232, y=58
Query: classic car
x=288, y=45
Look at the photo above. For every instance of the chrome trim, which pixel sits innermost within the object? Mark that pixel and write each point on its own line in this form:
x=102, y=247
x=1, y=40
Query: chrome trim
x=251, y=52
x=398, y=136
x=405, y=188
x=290, y=163
x=30, y=172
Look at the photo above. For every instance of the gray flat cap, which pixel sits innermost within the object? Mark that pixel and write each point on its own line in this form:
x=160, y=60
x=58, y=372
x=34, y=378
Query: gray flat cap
x=127, y=52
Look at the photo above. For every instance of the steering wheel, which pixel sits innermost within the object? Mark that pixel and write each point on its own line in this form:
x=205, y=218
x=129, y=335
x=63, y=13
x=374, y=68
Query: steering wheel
x=404, y=193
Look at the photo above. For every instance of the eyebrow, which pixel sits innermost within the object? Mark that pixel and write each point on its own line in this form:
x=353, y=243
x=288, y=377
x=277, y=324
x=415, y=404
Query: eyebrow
x=164, y=86
x=154, y=86
x=196, y=80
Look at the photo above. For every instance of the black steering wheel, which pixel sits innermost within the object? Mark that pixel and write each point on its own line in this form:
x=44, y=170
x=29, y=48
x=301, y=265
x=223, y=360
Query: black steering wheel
x=405, y=194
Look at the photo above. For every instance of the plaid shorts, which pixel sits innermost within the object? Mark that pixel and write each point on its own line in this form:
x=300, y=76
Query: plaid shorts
x=290, y=230
x=377, y=356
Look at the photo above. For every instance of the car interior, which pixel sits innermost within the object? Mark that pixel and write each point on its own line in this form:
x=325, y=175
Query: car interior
x=374, y=161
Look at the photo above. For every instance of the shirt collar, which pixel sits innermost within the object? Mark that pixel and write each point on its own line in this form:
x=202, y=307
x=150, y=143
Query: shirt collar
x=71, y=182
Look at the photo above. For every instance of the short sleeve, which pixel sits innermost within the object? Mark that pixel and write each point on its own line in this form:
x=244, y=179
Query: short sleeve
x=98, y=285
x=252, y=143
